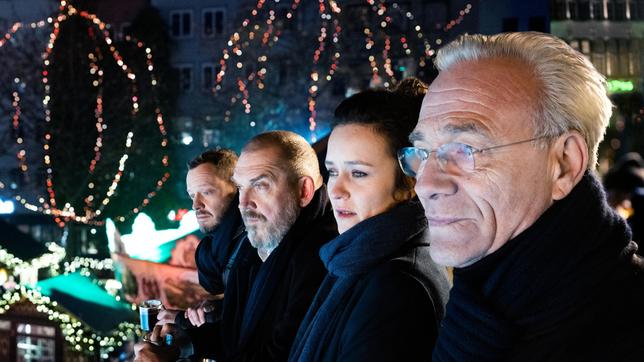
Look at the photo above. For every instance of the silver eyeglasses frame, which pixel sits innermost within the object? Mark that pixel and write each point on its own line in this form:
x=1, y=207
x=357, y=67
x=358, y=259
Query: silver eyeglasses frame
x=447, y=152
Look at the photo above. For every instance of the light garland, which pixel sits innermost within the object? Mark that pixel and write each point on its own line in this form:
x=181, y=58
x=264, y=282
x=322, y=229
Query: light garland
x=90, y=215
x=236, y=46
x=48, y=260
x=18, y=25
x=329, y=11
x=317, y=54
x=15, y=121
x=84, y=264
x=76, y=333
x=461, y=15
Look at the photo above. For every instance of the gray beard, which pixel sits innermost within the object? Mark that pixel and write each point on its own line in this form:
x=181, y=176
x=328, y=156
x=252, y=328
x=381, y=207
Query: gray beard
x=272, y=234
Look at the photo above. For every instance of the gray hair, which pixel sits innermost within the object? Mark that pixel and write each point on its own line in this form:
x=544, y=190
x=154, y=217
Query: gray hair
x=572, y=95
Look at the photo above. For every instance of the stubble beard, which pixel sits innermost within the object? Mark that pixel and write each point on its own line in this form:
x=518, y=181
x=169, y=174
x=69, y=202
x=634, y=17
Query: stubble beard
x=210, y=227
x=267, y=236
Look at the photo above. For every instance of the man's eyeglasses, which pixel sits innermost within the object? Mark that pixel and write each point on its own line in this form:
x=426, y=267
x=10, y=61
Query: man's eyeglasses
x=453, y=158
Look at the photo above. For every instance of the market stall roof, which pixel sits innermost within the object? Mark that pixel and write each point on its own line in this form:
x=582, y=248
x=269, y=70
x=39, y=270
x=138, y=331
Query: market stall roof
x=19, y=244
x=89, y=302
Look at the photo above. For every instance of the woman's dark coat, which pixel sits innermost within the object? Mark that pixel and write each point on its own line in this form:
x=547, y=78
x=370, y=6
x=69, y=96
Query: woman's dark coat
x=391, y=294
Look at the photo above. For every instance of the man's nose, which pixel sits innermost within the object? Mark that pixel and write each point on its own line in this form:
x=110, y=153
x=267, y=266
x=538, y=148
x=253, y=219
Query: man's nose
x=197, y=203
x=432, y=182
x=245, y=200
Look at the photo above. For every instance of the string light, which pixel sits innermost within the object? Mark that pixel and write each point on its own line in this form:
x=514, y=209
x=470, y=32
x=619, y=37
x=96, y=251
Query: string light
x=254, y=31
x=236, y=45
x=48, y=260
x=316, y=78
x=67, y=213
x=85, y=264
x=21, y=155
x=461, y=15
x=76, y=333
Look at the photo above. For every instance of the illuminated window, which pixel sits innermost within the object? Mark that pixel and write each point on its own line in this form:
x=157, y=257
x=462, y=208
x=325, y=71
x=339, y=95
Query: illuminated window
x=585, y=46
x=35, y=343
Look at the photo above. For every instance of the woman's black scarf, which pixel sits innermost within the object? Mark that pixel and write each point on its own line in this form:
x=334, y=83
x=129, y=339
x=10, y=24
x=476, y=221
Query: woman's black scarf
x=347, y=257
x=533, y=285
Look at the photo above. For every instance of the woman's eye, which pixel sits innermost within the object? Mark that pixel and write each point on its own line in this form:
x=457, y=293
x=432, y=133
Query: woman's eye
x=358, y=174
x=333, y=173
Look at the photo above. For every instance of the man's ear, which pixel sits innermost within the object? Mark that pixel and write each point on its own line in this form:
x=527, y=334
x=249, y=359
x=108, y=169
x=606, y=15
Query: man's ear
x=569, y=154
x=306, y=189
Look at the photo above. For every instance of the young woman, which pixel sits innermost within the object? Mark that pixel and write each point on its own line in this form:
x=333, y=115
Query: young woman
x=383, y=296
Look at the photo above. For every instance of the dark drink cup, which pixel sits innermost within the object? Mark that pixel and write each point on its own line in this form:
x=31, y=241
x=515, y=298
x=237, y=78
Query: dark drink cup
x=148, y=311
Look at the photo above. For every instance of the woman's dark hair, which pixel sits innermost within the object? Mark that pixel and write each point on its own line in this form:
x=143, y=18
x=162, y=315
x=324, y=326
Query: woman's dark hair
x=391, y=113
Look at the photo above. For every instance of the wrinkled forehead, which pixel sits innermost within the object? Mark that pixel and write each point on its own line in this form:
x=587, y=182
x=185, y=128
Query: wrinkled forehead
x=491, y=96
x=262, y=162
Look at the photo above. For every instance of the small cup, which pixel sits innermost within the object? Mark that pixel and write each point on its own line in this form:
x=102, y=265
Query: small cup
x=148, y=312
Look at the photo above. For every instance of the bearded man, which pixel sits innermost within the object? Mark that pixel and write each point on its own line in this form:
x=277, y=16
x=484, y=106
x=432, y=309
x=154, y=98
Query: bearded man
x=277, y=271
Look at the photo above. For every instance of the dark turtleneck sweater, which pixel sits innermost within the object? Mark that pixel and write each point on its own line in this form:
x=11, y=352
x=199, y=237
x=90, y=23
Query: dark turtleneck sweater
x=562, y=290
x=264, y=302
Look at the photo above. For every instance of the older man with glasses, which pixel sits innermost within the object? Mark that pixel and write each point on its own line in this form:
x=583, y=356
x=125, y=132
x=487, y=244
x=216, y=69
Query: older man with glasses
x=504, y=157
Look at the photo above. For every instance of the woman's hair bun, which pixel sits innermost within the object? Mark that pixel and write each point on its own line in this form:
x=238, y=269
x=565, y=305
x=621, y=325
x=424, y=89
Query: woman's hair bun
x=412, y=87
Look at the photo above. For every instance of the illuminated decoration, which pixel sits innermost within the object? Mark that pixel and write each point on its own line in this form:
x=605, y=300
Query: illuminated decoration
x=84, y=265
x=461, y=15
x=177, y=215
x=620, y=86
x=15, y=122
x=235, y=48
x=6, y=207
x=186, y=138
x=146, y=242
x=322, y=46
x=113, y=286
x=76, y=333
x=245, y=59
x=95, y=202
x=28, y=270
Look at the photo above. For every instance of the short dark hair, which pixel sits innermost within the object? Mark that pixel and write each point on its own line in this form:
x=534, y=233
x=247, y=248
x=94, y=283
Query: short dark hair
x=393, y=114
x=297, y=156
x=223, y=159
